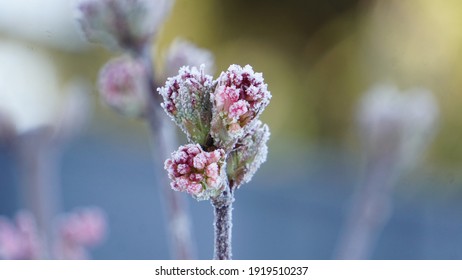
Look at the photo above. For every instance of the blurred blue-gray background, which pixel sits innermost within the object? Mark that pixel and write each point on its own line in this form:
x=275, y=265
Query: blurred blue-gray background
x=318, y=58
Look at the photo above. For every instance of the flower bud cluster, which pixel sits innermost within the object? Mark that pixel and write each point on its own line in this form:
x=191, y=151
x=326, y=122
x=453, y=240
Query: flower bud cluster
x=86, y=227
x=79, y=230
x=121, y=24
x=221, y=117
x=19, y=240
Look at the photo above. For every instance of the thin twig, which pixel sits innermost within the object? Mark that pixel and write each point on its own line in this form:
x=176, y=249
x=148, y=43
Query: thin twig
x=38, y=168
x=164, y=142
x=223, y=206
x=369, y=212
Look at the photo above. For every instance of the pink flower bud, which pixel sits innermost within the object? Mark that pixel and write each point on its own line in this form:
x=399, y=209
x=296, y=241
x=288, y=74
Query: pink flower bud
x=19, y=240
x=205, y=177
x=200, y=161
x=239, y=98
x=123, y=87
x=187, y=100
x=212, y=170
x=249, y=153
x=126, y=24
x=84, y=227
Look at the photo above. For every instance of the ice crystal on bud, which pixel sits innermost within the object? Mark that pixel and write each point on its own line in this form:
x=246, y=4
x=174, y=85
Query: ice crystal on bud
x=248, y=154
x=126, y=24
x=239, y=98
x=19, y=240
x=122, y=86
x=187, y=100
x=197, y=172
x=183, y=52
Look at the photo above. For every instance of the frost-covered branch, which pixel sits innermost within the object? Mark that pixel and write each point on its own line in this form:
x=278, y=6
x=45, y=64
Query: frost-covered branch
x=227, y=141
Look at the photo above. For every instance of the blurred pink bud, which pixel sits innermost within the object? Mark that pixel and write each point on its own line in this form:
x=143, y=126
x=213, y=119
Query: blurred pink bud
x=122, y=86
x=247, y=156
x=126, y=24
x=239, y=98
x=196, y=172
x=187, y=101
x=19, y=240
x=85, y=227
x=71, y=251
x=183, y=53
x=397, y=124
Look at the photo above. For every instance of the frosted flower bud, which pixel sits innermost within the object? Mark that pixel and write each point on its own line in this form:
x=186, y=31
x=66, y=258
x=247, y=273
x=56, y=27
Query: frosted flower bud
x=397, y=124
x=239, y=98
x=183, y=52
x=249, y=153
x=187, y=101
x=125, y=24
x=19, y=239
x=123, y=87
x=83, y=227
x=194, y=171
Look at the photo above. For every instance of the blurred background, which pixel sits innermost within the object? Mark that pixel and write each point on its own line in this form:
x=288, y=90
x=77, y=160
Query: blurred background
x=318, y=58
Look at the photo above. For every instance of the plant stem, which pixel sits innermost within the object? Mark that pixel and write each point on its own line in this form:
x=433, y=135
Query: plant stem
x=370, y=211
x=164, y=141
x=223, y=206
x=175, y=204
x=38, y=163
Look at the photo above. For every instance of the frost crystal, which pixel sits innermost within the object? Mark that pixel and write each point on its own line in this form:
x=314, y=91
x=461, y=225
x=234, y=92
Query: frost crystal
x=126, y=24
x=183, y=52
x=239, y=98
x=187, y=100
x=197, y=172
x=248, y=154
x=122, y=86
